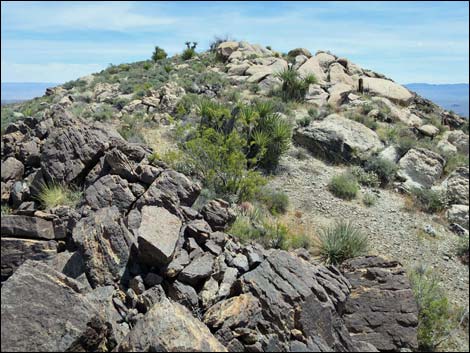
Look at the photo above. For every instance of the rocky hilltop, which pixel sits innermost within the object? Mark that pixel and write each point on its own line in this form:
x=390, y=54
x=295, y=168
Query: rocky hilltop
x=134, y=256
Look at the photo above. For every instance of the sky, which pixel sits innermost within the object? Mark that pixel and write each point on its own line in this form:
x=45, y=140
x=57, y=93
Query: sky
x=406, y=41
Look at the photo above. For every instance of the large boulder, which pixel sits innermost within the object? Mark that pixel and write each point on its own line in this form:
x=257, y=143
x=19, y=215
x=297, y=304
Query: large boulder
x=381, y=309
x=26, y=227
x=387, y=89
x=157, y=235
x=73, y=147
x=290, y=300
x=43, y=310
x=459, y=214
x=420, y=168
x=170, y=327
x=338, y=139
x=218, y=214
x=312, y=66
x=299, y=51
x=105, y=245
x=457, y=186
x=225, y=49
x=110, y=190
x=12, y=169
x=16, y=251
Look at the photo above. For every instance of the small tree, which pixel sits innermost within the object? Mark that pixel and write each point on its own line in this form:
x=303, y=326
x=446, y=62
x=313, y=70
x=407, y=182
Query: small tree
x=158, y=54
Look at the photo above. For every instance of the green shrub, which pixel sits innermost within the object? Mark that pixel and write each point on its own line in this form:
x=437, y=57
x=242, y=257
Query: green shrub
x=385, y=169
x=454, y=161
x=147, y=66
x=74, y=83
x=463, y=249
x=369, y=199
x=305, y=121
x=366, y=178
x=313, y=113
x=6, y=210
x=344, y=186
x=168, y=68
x=428, y=200
x=53, y=195
x=340, y=242
x=102, y=113
x=276, y=202
x=364, y=120
x=158, y=54
x=190, y=51
x=434, y=312
x=294, y=87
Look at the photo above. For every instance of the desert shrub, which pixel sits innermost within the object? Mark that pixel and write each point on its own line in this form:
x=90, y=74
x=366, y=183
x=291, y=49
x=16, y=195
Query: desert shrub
x=304, y=121
x=434, y=312
x=276, y=202
x=364, y=120
x=454, y=161
x=294, y=87
x=313, y=113
x=158, y=54
x=120, y=102
x=6, y=210
x=344, y=186
x=366, y=178
x=190, y=51
x=462, y=249
x=55, y=194
x=168, y=68
x=147, y=66
x=74, y=83
x=102, y=113
x=340, y=242
x=385, y=169
x=253, y=224
x=130, y=127
x=369, y=199
x=428, y=200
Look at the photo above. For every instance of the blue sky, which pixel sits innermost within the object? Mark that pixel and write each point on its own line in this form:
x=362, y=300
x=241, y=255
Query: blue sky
x=407, y=41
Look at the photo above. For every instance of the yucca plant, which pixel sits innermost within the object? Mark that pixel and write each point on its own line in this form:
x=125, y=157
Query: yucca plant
x=55, y=194
x=294, y=87
x=340, y=242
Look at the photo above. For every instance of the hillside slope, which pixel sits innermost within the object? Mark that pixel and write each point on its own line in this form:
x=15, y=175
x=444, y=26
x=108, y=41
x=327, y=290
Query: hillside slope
x=150, y=200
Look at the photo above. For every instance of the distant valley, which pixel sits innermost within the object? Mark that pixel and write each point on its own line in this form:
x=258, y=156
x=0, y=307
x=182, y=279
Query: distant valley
x=449, y=96
x=13, y=92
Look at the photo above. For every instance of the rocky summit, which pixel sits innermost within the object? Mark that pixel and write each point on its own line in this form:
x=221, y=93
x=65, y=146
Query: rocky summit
x=112, y=238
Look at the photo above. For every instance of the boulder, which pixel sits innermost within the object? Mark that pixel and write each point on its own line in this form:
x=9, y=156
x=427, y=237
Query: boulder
x=457, y=186
x=388, y=89
x=170, y=327
x=458, y=214
x=73, y=147
x=105, y=245
x=316, y=95
x=381, y=309
x=420, y=168
x=198, y=270
x=179, y=186
x=157, y=235
x=110, y=190
x=33, y=315
x=428, y=130
x=458, y=139
x=337, y=74
x=26, y=227
x=338, y=139
x=225, y=49
x=12, y=169
x=339, y=94
x=312, y=66
x=325, y=59
x=16, y=251
x=390, y=153
x=218, y=214
x=299, y=51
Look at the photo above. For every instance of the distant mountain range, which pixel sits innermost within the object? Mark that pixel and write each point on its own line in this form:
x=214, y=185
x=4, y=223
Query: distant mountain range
x=449, y=96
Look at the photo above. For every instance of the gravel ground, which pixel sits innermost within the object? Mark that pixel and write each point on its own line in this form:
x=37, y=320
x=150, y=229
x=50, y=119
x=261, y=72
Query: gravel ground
x=393, y=232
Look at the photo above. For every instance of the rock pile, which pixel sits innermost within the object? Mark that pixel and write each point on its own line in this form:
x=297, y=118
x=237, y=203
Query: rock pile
x=133, y=267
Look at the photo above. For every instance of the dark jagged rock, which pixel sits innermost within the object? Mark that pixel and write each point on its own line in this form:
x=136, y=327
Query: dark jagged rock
x=170, y=327
x=33, y=315
x=218, y=214
x=26, y=227
x=381, y=309
x=105, y=244
x=16, y=251
x=12, y=169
